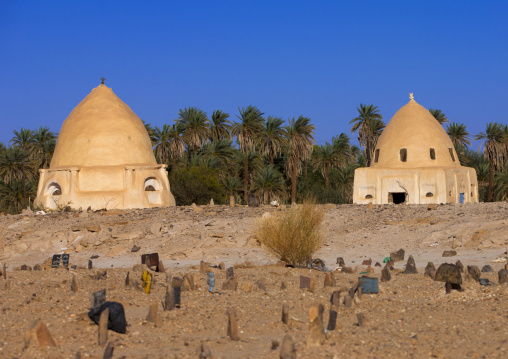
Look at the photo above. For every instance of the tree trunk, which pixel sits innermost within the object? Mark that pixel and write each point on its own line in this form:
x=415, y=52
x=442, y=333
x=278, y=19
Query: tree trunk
x=490, y=195
x=293, y=184
x=246, y=177
x=305, y=170
x=327, y=181
x=271, y=159
x=24, y=181
x=173, y=164
x=367, y=153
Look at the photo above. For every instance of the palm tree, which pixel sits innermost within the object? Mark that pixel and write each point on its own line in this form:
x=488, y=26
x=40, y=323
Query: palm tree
x=494, y=147
x=220, y=126
x=324, y=158
x=13, y=195
x=458, y=134
x=151, y=132
x=232, y=185
x=161, y=139
x=247, y=131
x=196, y=127
x=44, y=142
x=221, y=153
x=345, y=181
x=300, y=142
x=438, y=115
x=366, y=132
x=25, y=141
x=272, y=138
x=268, y=185
x=15, y=165
x=501, y=188
x=176, y=143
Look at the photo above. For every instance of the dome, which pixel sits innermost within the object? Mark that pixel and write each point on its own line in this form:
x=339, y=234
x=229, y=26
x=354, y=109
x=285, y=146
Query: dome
x=102, y=131
x=414, y=139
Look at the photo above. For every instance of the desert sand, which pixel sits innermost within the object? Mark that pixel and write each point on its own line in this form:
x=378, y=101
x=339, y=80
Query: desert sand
x=410, y=317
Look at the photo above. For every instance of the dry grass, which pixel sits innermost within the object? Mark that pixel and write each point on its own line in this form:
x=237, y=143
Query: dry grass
x=293, y=235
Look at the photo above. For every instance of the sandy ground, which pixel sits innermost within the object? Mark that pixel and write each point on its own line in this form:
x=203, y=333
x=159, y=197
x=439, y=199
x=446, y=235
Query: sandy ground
x=410, y=317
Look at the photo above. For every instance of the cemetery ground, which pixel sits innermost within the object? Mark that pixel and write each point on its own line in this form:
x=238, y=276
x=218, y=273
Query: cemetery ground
x=411, y=316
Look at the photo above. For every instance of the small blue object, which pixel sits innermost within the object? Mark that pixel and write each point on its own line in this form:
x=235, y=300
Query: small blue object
x=483, y=281
x=210, y=278
x=369, y=285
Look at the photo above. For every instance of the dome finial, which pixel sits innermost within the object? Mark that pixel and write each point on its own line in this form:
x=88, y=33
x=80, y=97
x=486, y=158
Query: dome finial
x=411, y=97
x=102, y=80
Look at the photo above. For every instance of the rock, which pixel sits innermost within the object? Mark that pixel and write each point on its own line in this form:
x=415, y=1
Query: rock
x=332, y=320
x=385, y=274
x=37, y=267
x=367, y=262
x=231, y=201
x=432, y=207
x=74, y=284
x=261, y=285
x=430, y=270
x=329, y=206
x=335, y=298
x=116, y=250
x=450, y=274
x=39, y=334
x=283, y=285
x=103, y=327
x=203, y=268
x=318, y=264
x=503, y=276
x=160, y=267
x=285, y=313
x=153, y=316
x=460, y=265
x=93, y=227
x=135, y=248
x=377, y=264
x=347, y=270
x=307, y=283
x=205, y=352
x=316, y=332
x=108, y=352
x=230, y=273
x=222, y=266
x=474, y=272
x=230, y=284
x=410, y=266
x=233, y=325
x=155, y=228
x=211, y=202
x=329, y=280
x=287, y=349
x=190, y=281
x=398, y=256
x=340, y=262
x=450, y=253
x=362, y=319
x=487, y=269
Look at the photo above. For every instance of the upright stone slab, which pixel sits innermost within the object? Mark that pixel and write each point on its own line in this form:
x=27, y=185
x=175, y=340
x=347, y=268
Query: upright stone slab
x=335, y=298
x=474, y=272
x=503, y=276
x=287, y=349
x=108, y=352
x=316, y=331
x=307, y=283
x=285, y=313
x=74, y=284
x=385, y=274
x=332, y=320
x=410, y=266
x=233, y=332
x=103, y=327
x=39, y=334
x=398, y=256
x=430, y=270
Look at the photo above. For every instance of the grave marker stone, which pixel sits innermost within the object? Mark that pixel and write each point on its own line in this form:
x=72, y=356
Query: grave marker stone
x=103, y=327
x=55, y=261
x=233, y=325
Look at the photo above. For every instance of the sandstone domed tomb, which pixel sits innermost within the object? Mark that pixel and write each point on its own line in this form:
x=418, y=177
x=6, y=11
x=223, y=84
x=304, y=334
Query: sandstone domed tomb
x=104, y=159
x=415, y=163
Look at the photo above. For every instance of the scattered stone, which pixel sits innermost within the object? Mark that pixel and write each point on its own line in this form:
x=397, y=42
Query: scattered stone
x=432, y=207
x=318, y=264
x=233, y=325
x=307, y=283
x=335, y=298
x=487, y=269
x=203, y=268
x=222, y=266
x=377, y=264
x=152, y=315
x=39, y=334
x=410, y=266
x=347, y=270
x=503, y=276
x=390, y=264
x=135, y=248
x=127, y=281
x=450, y=274
x=108, y=353
x=287, y=349
x=23, y=267
x=230, y=273
x=474, y=272
x=283, y=285
x=460, y=266
x=332, y=320
x=90, y=264
x=37, y=267
x=450, y=253
x=103, y=327
x=169, y=302
x=329, y=280
x=430, y=270
x=190, y=282
x=367, y=262
x=316, y=332
x=362, y=319
x=74, y=284
x=398, y=256
x=160, y=267
x=385, y=274
x=340, y=262
x=205, y=352
x=275, y=344
x=261, y=285
x=230, y=284
x=93, y=227
x=285, y=313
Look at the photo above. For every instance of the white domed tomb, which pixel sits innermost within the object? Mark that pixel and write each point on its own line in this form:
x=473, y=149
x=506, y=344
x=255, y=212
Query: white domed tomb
x=415, y=163
x=104, y=159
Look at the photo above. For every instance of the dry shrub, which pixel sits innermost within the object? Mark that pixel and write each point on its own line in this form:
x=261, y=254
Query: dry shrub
x=293, y=235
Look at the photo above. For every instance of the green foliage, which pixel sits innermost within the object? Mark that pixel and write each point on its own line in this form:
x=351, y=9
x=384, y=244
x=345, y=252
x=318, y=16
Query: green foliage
x=196, y=184
x=269, y=185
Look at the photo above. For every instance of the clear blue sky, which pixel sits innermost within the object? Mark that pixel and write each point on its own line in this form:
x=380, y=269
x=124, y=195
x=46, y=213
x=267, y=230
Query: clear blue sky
x=320, y=59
